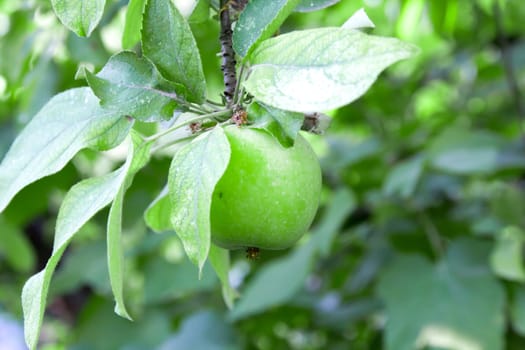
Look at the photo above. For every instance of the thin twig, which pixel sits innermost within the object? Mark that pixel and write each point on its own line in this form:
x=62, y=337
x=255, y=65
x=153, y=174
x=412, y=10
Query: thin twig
x=228, y=56
x=507, y=65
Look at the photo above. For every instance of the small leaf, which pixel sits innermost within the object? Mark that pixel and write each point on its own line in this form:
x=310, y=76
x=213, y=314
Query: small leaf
x=168, y=42
x=80, y=17
x=358, y=20
x=139, y=157
x=83, y=201
x=130, y=85
x=70, y=121
x=403, y=178
x=314, y=5
x=131, y=35
x=157, y=216
x=283, y=125
x=15, y=247
x=507, y=256
x=454, y=304
x=195, y=170
x=320, y=69
x=259, y=20
x=220, y=261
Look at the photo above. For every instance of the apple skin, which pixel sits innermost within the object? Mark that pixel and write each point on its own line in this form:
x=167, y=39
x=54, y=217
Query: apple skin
x=268, y=196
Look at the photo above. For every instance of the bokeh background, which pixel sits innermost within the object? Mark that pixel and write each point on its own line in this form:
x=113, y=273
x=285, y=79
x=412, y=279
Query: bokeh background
x=420, y=238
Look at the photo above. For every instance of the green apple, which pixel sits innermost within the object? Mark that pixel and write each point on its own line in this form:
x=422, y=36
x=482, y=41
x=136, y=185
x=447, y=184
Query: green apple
x=268, y=195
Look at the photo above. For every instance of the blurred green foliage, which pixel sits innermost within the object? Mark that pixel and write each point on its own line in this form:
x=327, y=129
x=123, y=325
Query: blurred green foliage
x=420, y=241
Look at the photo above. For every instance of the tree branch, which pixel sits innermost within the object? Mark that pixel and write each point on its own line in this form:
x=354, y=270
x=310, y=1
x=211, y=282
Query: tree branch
x=228, y=56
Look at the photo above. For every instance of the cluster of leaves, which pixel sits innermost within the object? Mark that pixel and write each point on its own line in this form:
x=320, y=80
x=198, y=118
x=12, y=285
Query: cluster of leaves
x=422, y=221
x=168, y=80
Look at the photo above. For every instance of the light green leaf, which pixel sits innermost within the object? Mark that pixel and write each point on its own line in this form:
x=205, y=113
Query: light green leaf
x=320, y=69
x=82, y=16
x=195, y=170
x=168, y=42
x=259, y=20
x=157, y=215
x=83, y=201
x=314, y=5
x=130, y=85
x=454, y=304
x=403, y=177
x=69, y=122
x=507, y=256
x=133, y=25
x=201, y=12
x=283, y=125
x=139, y=158
x=220, y=261
x=291, y=271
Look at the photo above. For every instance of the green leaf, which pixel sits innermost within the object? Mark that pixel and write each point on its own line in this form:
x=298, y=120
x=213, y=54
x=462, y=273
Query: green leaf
x=83, y=201
x=15, y=247
x=455, y=304
x=157, y=215
x=517, y=309
x=320, y=69
x=403, y=178
x=70, y=121
x=167, y=281
x=201, y=12
x=168, y=42
x=133, y=24
x=139, y=157
x=259, y=20
x=314, y=5
x=81, y=17
x=220, y=261
x=291, y=271
x=195, y=170
x=462, y=151
x=507, y=256
x=130, y=85
x=283, y=125
x=217, y=334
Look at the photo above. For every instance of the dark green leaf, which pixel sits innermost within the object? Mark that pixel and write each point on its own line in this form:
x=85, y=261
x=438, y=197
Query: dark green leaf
x=455, y=304
x=130, y=85
x=15, y=247
x=80, y=17
x=259, y=20
x=195, y=170
x=168, y=41
x=69, y=122
x=517, y=309
x=320, y=69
